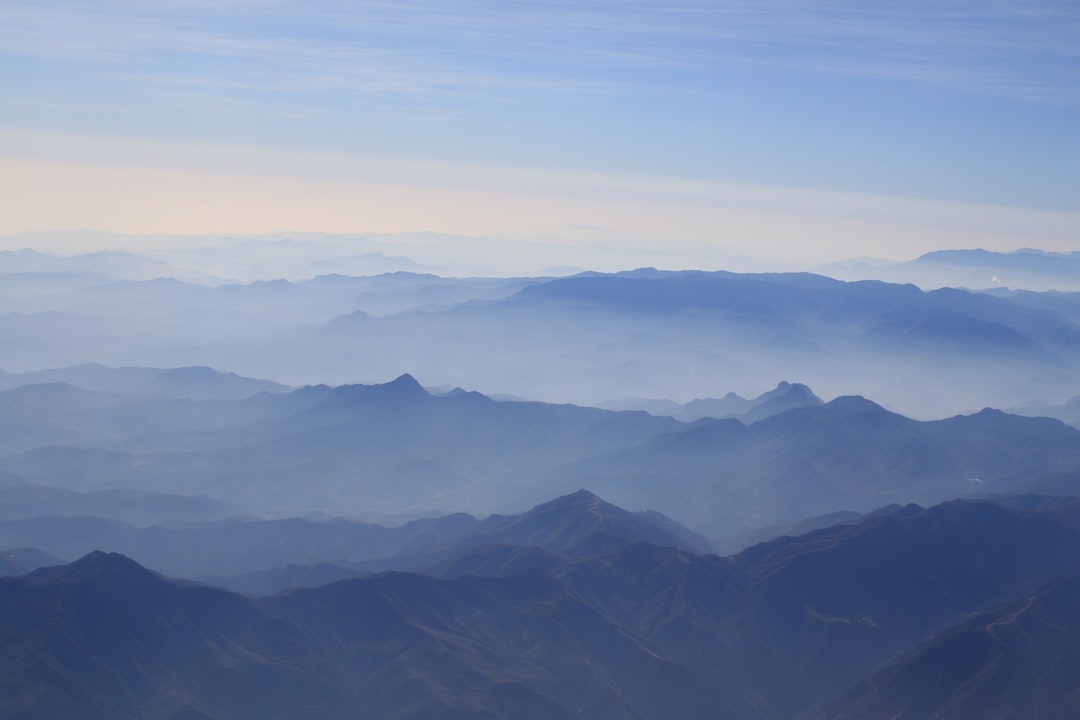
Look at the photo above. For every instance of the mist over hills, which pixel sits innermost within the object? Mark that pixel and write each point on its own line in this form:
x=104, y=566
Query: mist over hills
x=785, y=396
x=1025, y=269
x=396, y=450
x=576, y=524
x=584, y=339
x=400, y=552
x=189, y=383
x=1067, y=412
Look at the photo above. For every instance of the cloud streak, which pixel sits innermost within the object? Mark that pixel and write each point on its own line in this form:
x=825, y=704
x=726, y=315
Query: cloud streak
x=425, y=47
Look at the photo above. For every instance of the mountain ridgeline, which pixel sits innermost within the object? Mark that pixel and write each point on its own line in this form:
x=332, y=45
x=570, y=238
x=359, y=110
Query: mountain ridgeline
x=905, y=614
x=588, y=339
x=208, y=511
x=397, y=451
x=268, y=555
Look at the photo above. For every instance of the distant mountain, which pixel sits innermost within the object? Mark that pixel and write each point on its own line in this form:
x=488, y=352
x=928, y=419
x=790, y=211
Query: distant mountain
x=583, y=339
x=108, y=264
x=394, y=451
x=736, y=543
x=269, y=555
x=190, y=383
x=786, y=396
x=583, y=524
x=1028, y=269
x=138, y=507
x=641, y=632
x=723, y=478
x=417, y=453
x=31, y=402
x=1067, y=412
x=20, y=561
x=578, y=524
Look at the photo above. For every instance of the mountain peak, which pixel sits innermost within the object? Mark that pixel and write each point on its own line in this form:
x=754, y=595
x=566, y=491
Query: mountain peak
x=580, y=497
x=583, y=523
x=581, y=500
x=853, y=404
x=110, y=565
x=785, y=389
x=406, y=383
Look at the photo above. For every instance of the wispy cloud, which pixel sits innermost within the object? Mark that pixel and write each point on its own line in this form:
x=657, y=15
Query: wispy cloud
x=1023, y=50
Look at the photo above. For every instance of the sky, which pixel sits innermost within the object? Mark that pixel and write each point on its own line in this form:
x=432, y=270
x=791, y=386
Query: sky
x=683, y=133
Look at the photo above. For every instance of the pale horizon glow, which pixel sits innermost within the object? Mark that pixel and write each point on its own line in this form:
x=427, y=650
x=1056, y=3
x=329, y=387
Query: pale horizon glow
x=675, y=134
x=519, y=216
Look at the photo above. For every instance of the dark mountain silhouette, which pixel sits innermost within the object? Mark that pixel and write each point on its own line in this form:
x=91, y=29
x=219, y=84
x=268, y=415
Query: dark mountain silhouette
x=126, y=643
x=638, y=632
x=1017, y=660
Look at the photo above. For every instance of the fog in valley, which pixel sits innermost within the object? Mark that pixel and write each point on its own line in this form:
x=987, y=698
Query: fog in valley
x=436, y=360
x=557, y=437
x=589, y=339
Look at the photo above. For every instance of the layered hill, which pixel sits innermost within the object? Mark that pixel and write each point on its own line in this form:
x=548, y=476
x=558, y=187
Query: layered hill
x=397, y=450
x=583, y=339
x=189, y=383
x=1016, y=660
x=785, y=396
x=269, y=555
x=636, y=632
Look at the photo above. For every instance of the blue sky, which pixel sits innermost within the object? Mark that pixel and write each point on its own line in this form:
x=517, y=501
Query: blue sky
x=460, y=116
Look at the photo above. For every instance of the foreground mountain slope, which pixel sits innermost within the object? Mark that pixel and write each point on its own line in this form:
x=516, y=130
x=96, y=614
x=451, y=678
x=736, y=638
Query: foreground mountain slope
x=639, y=632
x=105, y=638
x=1018, y=660
x=799, y=620
x=126, y=643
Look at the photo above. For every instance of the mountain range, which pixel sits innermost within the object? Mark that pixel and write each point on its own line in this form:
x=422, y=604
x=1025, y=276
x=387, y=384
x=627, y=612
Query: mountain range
x=785, y=396
x=395, y=451
x=271, y=554
x=216, y=505
x=1025, y=269
x=584, y=339
x=829, y=624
